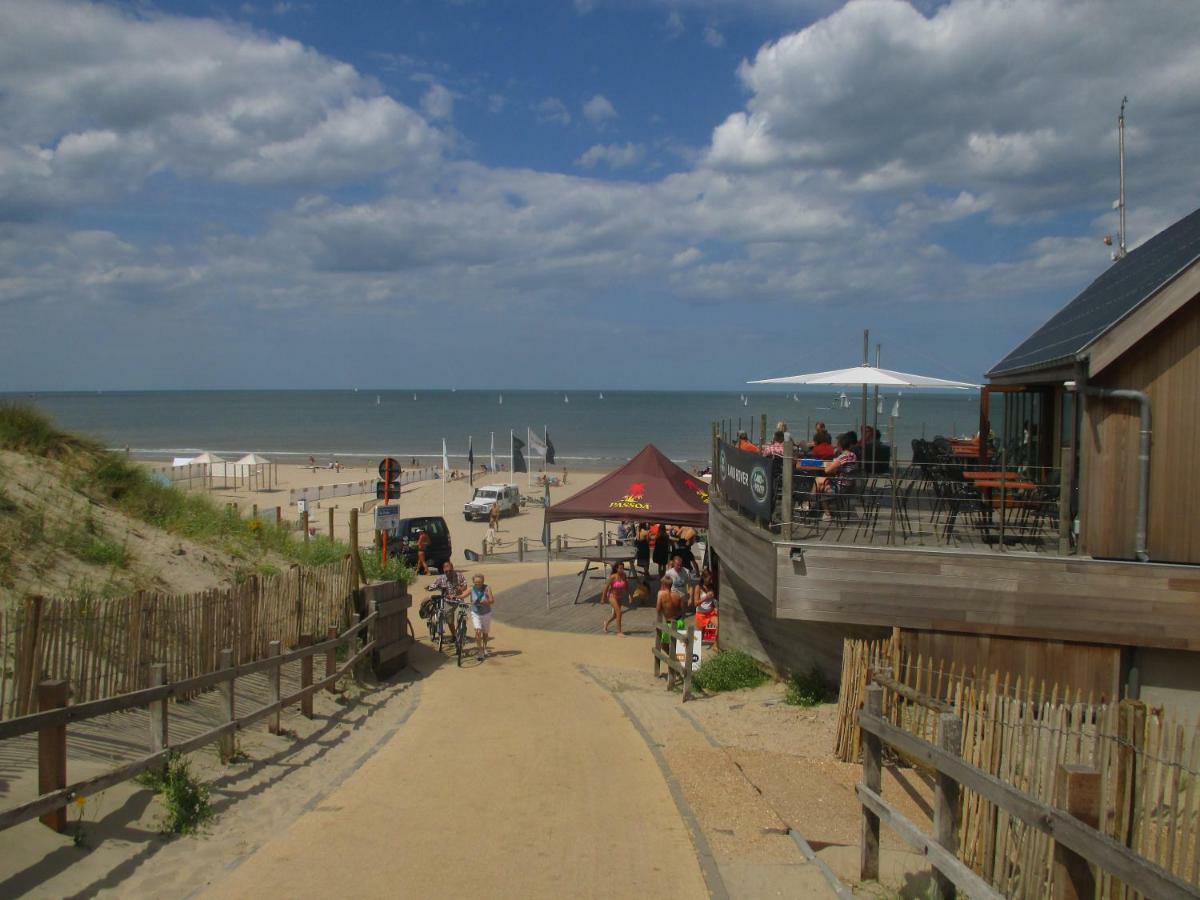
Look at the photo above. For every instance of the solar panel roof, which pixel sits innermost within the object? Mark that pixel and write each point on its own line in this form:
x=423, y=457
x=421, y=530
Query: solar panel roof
x=1122, y=288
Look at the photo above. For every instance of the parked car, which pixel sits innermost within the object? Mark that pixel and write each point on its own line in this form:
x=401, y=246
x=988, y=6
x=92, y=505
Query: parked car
x=507, y=495
x=402, y=542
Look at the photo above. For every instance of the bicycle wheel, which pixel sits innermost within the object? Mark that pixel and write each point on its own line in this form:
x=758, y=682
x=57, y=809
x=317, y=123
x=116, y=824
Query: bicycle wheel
x=432, y=623
x=460, y=636
x=441, y=631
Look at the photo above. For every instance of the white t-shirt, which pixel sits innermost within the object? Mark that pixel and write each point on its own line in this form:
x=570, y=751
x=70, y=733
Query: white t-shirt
x=680, y=579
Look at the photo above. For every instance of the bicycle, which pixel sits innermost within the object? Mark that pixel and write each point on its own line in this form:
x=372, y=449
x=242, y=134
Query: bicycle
x=459, y=627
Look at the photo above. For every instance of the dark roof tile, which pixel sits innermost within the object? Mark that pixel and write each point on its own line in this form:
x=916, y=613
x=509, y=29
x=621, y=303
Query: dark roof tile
x=1123, y=287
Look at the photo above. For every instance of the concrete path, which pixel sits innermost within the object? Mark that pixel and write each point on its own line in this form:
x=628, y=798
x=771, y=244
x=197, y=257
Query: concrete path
x=517, y=776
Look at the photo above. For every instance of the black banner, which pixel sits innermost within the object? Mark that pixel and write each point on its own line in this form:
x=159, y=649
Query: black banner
x=746, y=480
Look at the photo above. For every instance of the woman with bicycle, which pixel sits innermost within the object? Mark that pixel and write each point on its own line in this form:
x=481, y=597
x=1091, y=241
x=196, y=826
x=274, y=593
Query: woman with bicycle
x=482, y=602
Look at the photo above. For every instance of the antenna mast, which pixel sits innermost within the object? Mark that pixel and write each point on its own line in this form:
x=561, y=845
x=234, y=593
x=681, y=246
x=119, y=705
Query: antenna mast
x=1121, y=199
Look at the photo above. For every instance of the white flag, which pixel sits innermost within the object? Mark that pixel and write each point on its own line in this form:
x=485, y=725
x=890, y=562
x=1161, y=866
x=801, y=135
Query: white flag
x=536, y=444
x=492, y=454
x=445, y=458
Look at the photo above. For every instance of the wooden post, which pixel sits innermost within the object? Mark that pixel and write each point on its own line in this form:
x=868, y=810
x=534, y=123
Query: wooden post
x=331, y=524
x=600, y=545
x=688, y=640
x=872, y=754
x=947, y=811
x=1078, y=793
x=658, y=620
x=1066, y=478
x=483, y=548
x=331, y=658
x=254, y=511
x=306, y=678
x=558, y=544
x=274, y=649
x=52, y=750
x=304, y=524
x=278, y=516
x=762, y=429
x=785, y=501
x=226, y=745
x=158, y=710
x=521, y=549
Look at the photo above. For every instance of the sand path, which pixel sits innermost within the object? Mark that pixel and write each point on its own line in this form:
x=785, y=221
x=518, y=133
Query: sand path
x=515, y=776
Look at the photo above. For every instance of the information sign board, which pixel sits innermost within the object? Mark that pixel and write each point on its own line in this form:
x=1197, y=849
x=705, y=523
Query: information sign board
x=387, y=518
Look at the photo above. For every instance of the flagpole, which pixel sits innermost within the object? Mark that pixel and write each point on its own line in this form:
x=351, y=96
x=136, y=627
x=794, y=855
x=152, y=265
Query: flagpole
x=528, y=468
x=512, y=471
x=492, y=453
x=445, y=475
x=471, y=460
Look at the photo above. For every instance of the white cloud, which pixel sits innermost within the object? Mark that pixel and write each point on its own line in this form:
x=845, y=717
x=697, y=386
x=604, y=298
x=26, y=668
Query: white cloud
x=599, y=110
x=615, y=156
x=93, y=100
x=686, y=257
x=554, y=110
x=713, y=37
x=438, y=103
x=496, y=103
x=674, y=24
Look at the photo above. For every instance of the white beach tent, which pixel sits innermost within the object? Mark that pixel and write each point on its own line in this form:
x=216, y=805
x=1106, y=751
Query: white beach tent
x=255, y=470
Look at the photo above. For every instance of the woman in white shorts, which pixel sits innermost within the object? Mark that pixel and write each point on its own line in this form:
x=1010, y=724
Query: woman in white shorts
x=481, y=613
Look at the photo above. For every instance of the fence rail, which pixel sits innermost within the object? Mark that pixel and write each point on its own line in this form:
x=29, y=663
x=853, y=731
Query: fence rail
x=1068, y=835
x=50, y=724
x=1146, y=764
x=104, y=646
x=678, y=671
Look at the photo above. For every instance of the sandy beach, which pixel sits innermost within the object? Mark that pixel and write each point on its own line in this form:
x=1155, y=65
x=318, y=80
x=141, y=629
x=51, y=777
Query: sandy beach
x=423, y=498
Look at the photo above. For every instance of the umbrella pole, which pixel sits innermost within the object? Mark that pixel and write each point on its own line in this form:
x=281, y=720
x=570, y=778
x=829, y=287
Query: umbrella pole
x=866, y=362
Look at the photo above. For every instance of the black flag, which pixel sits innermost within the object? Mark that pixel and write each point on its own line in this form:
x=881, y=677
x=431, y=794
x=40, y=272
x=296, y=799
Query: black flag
x=549, y=450
x=518, y=458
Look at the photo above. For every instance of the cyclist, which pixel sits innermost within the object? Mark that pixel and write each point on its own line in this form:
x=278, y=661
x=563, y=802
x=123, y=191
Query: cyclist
x=453, y=586
x=482, y=602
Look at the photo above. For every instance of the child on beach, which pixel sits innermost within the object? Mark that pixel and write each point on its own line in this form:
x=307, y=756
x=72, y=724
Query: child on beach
x=482, y=602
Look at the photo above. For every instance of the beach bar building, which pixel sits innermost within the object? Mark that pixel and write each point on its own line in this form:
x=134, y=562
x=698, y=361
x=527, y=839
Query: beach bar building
x=1080, y=565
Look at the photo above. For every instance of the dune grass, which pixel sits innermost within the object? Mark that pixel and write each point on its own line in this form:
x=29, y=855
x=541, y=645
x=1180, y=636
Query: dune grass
x=115, y=481
x=729, y=670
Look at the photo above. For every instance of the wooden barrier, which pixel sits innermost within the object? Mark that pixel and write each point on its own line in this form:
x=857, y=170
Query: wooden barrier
x=50, y=723
x=1078, y=837
x=389, y=602
x=666, y=635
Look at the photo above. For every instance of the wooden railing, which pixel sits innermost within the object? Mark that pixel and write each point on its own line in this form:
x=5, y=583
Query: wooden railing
x=1078, y=845
x=387, y=644
x=678, y=671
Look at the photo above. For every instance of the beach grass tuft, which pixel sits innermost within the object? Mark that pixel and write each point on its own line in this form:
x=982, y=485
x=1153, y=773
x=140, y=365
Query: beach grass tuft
x=729, y=670
x=25, y=430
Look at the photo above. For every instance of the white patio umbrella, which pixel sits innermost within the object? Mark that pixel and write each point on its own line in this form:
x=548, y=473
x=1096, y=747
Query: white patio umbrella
x=869, y=375
x=866, y=375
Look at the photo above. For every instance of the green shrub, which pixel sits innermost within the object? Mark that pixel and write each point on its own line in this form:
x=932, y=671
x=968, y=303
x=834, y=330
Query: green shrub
x=184, y=798
x=811, y=689
x=393, y=570
x=729, y=670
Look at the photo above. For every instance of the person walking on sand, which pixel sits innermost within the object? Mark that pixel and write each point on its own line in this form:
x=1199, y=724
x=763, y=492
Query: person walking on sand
x=494, y=516
x=615, y=589
x=482, y=602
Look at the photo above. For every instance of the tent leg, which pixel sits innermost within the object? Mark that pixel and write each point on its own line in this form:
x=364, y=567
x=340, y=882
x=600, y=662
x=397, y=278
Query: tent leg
x=587, y=567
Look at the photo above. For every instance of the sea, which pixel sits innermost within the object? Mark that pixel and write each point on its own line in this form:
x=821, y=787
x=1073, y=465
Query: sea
x=590, y=429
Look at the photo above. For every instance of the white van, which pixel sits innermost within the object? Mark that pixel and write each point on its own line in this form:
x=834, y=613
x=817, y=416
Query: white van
x=507, y=495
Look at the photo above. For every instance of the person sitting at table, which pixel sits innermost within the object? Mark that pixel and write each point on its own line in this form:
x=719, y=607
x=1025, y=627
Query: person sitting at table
x=875, y=455
x=839, y=472
x=744, y=443
x=775, y=447
x=822, y=447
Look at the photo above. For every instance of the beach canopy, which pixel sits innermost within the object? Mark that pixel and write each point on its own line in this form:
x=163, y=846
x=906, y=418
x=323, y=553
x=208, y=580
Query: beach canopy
x=208, y=458
x=870, y=375
x=648, y=488
x=253, y=459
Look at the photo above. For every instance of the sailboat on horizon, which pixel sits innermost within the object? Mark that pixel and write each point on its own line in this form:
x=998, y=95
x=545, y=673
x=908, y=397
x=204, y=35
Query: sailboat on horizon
x=501, y=399
x=566, y=399
x=602, y=395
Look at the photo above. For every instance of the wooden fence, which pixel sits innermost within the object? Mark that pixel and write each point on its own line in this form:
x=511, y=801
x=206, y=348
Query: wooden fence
x=1147, y=763
x=679, y=671
x=104, y=646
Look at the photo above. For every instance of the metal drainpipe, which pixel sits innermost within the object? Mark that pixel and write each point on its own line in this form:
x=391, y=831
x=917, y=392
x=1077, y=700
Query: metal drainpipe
x=1143, y=401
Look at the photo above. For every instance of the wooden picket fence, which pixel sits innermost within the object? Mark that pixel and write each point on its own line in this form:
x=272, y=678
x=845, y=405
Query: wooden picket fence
x=103, y=647
x=1148, y=760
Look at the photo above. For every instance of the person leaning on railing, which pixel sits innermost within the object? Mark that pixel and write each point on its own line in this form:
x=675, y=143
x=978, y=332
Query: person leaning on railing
x=744, y=443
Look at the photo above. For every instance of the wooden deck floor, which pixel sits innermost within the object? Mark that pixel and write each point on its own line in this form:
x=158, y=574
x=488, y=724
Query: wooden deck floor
x=525, y=607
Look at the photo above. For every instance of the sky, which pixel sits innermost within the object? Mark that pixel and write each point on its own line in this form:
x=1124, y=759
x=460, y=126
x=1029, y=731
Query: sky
x=643, y=194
